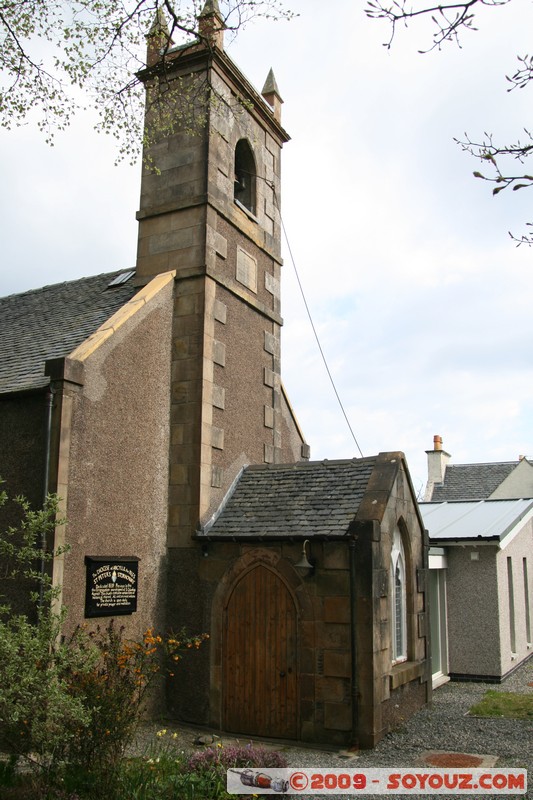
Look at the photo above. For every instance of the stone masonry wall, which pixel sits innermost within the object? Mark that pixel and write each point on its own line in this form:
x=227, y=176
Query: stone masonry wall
x=22, y=462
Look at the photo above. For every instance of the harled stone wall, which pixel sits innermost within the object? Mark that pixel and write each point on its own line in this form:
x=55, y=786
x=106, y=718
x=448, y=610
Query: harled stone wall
x=113, y=465
x=520, y=554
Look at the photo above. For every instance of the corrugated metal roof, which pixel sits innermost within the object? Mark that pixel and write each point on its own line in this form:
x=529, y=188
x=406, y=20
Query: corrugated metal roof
x=484, y=519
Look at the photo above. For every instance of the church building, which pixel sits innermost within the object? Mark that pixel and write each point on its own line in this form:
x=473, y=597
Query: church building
x=150, y=400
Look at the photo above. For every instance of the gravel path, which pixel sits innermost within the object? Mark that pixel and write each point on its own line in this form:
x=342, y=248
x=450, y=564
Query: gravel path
x=443, y=727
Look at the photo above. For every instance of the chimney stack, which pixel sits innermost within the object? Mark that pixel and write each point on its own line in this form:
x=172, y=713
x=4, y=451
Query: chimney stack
x=437, y=461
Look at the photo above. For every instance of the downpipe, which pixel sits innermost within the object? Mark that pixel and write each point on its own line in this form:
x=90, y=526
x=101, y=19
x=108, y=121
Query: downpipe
x=48, y=437
x=353, y=640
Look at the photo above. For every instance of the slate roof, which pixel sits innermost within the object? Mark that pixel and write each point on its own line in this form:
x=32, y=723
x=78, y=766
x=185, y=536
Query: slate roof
x=50, y=322
x=466, y=521
x=472, y=481
x=307, y=499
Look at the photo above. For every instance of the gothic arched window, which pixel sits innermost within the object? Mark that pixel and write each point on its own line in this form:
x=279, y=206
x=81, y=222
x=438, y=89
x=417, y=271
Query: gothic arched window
x=245, y=173
x=398, y=599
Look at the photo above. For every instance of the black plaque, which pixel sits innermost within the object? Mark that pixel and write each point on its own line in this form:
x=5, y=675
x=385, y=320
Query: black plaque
x=111, y=585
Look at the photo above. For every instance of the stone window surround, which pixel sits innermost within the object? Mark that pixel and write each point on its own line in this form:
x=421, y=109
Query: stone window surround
x=398, y=605
x=245, y=178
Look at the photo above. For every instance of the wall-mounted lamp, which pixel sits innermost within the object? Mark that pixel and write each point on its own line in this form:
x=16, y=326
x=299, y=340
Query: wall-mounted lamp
x=205, y=550
x=304, y=566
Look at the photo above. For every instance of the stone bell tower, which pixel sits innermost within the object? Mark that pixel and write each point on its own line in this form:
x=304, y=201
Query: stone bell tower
x=210, y=211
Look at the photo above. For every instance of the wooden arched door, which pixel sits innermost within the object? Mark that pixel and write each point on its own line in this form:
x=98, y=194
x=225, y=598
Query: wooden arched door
x=260, y=685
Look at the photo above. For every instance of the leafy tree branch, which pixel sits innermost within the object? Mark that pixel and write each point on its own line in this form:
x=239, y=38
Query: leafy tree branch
x=450, y=19
x=60, y=56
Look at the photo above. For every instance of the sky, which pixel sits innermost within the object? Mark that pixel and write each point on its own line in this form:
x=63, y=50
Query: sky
x=421, y=301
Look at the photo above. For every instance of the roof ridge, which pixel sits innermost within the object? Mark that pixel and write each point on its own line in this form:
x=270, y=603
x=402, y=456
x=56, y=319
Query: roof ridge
x=62, y=283
x=474, y=501
x=311, y=463
x=484, y=464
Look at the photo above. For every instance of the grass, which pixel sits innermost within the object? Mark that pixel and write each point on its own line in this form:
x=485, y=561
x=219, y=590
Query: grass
x=504, y=704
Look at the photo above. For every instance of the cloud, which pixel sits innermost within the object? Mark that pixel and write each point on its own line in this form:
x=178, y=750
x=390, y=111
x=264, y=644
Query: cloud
x=421, y=302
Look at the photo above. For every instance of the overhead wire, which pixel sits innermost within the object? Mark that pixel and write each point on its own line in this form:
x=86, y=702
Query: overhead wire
x=311, y=321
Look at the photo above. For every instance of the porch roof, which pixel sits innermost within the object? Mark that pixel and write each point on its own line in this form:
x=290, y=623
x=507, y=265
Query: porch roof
x=483, y=520
x=307, y=499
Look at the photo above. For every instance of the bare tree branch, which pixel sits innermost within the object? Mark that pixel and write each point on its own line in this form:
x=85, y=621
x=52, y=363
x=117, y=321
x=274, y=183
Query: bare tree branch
x=522, y=76
x=450, y=20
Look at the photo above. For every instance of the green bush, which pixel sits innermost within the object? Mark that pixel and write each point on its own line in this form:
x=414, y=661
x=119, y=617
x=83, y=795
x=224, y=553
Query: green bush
x=38, y=714
x=68, y=707
x=113, y=692
x=26, y=554
x=208, y=768
x=167, y=775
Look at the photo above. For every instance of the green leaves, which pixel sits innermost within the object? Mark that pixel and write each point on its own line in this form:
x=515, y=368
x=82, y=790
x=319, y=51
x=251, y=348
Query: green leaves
x=59, y=57
x=70, y=706
x=37, y=712
x=26, y=549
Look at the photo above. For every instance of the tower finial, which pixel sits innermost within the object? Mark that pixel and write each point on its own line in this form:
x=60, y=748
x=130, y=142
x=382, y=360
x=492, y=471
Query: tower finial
x=211, y=24
x=210, y=7
x=271, y=94
x=158, y=37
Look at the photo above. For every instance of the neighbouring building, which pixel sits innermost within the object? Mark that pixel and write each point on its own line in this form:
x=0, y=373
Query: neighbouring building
x=480, y=523
x=151, y=401
x=498, y=480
